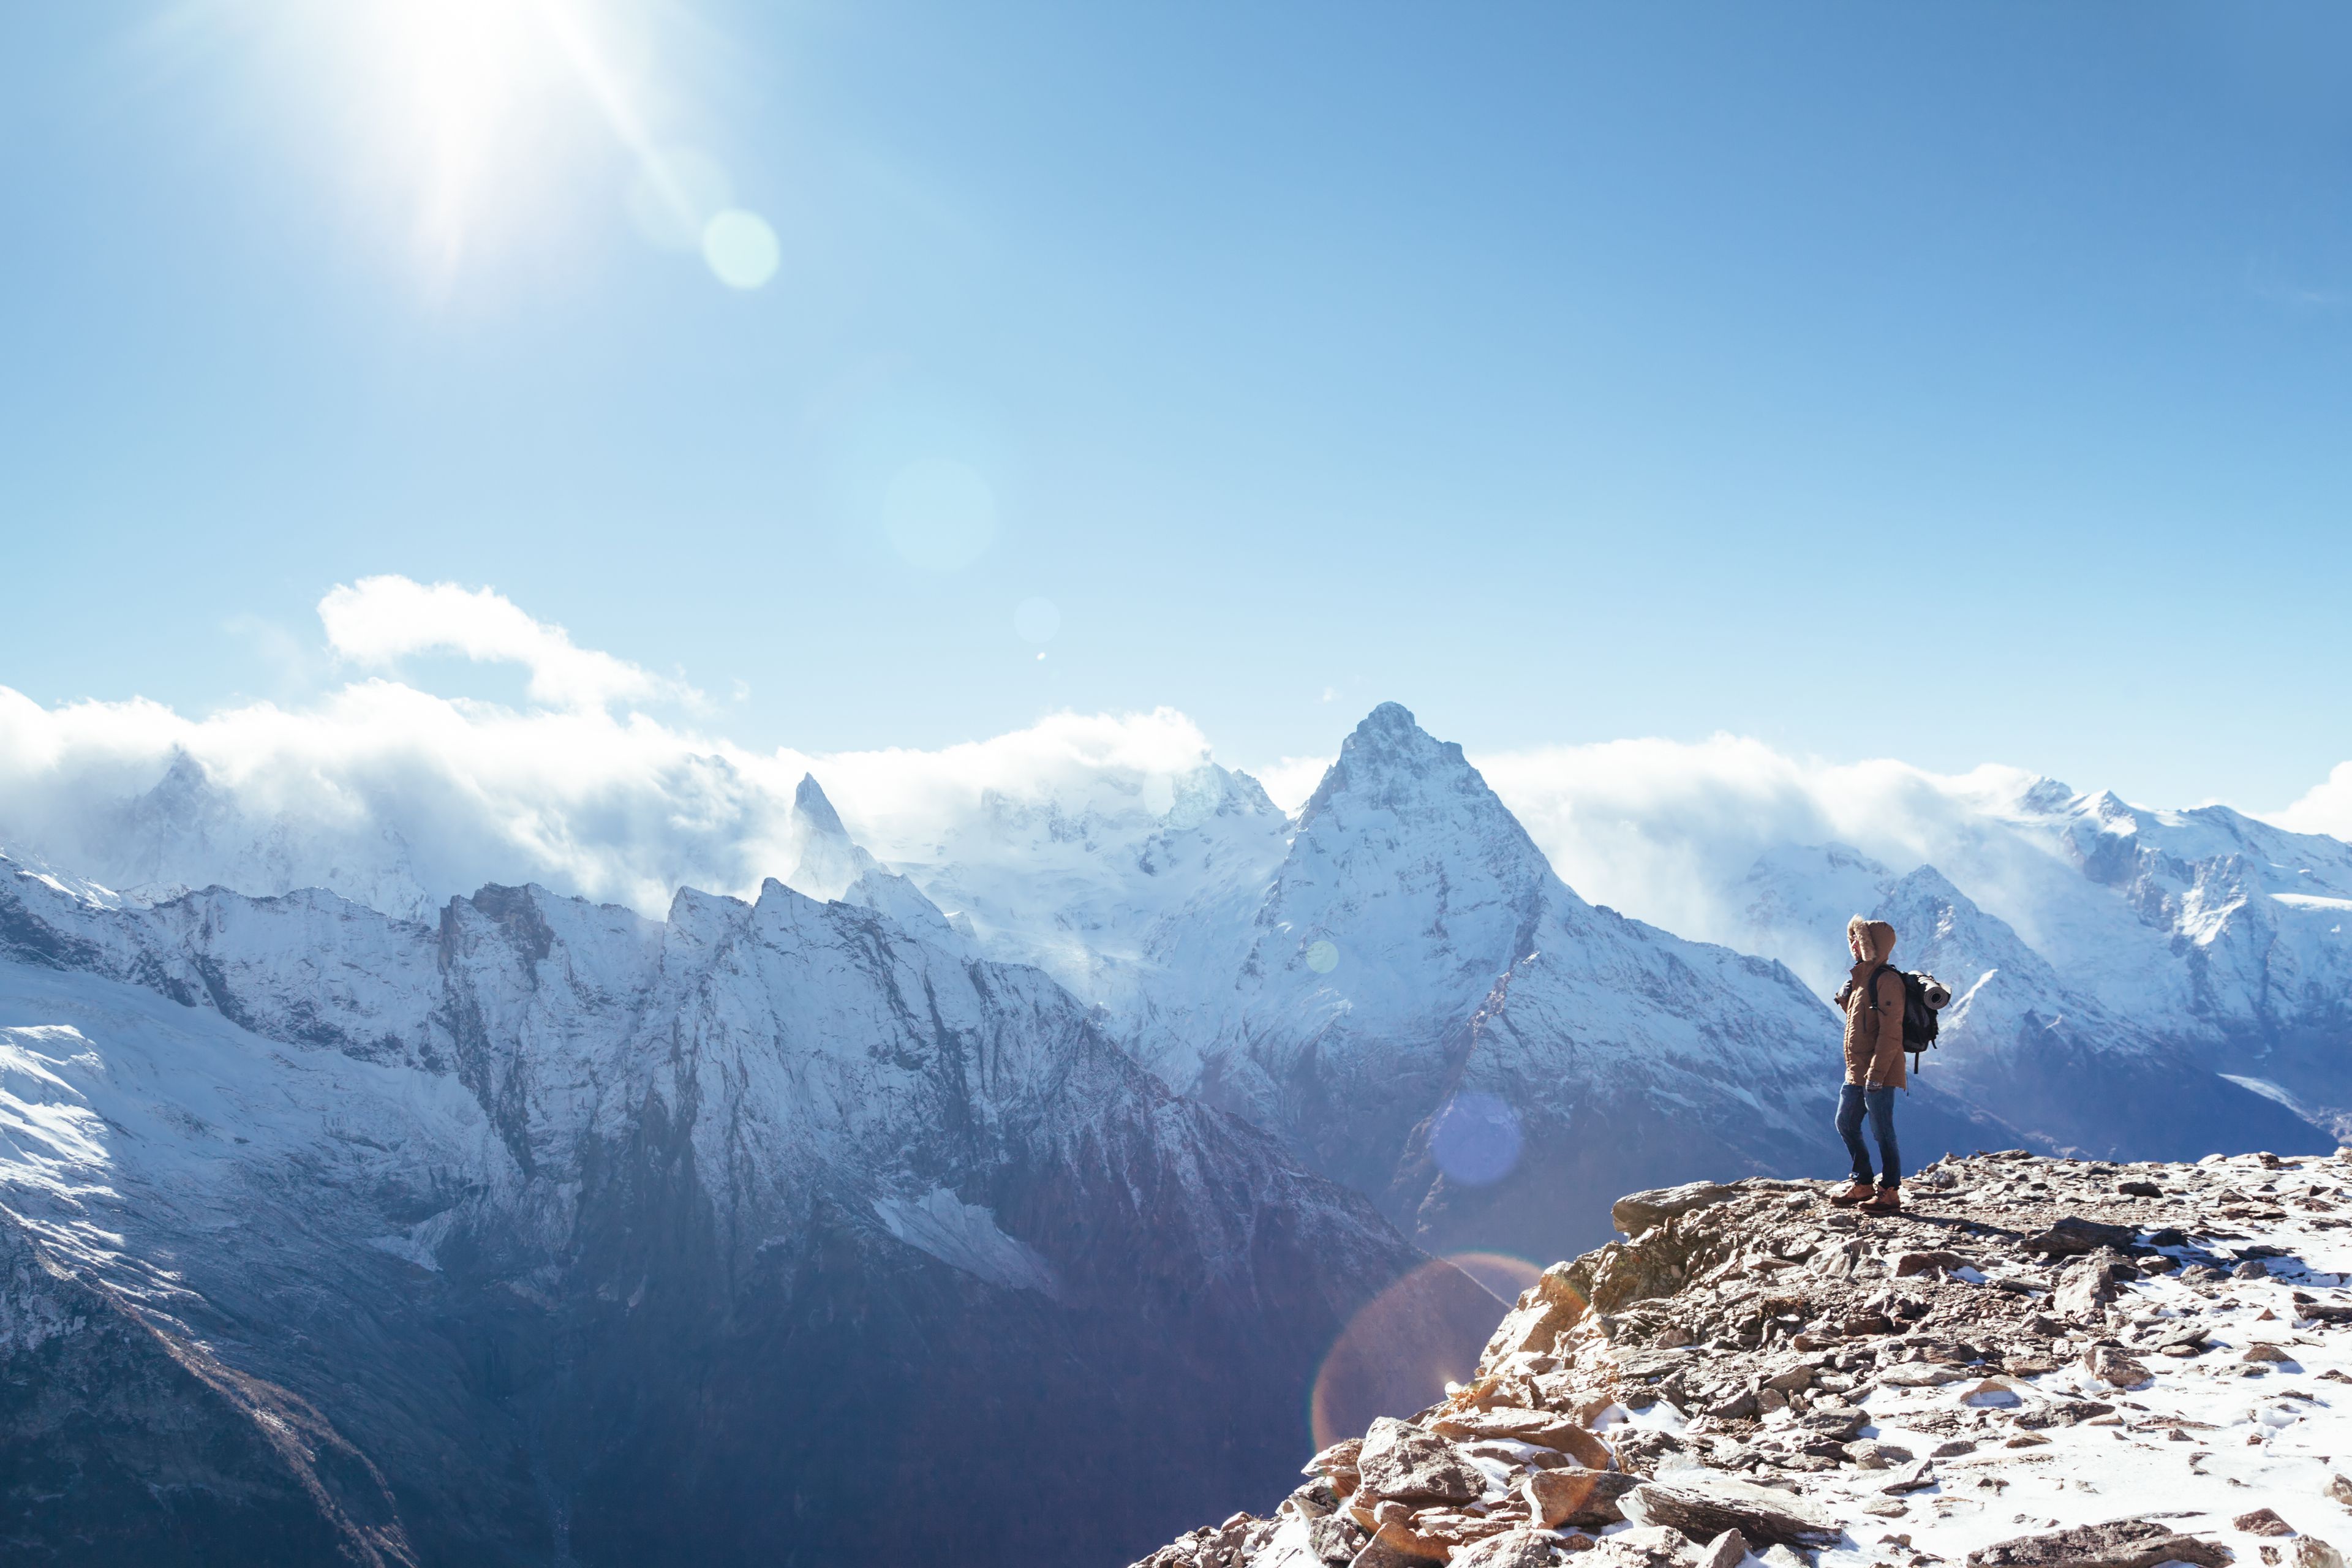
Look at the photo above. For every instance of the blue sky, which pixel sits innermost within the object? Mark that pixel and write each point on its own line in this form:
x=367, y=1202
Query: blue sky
x=1957, y=384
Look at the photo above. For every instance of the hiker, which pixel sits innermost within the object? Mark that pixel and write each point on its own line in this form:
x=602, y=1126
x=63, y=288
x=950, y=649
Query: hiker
x=1872, y=1000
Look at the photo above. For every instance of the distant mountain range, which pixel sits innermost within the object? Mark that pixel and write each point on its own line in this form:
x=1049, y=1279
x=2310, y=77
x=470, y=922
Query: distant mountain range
x=916, y=1206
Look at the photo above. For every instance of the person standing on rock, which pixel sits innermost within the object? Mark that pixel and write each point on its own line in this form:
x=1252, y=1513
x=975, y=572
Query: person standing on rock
x=1871, y=998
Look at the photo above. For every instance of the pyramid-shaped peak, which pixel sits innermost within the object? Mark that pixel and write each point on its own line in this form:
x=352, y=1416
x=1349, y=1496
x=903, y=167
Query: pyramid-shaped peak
x=1389, y=718
x=1391, y=763
x=1390, y=736
x=810, y=804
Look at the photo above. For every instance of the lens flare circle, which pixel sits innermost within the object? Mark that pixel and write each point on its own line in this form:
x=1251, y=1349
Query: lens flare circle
x=1322, y=956
x=740, y=248
x=1037, y=621
x=1503, y=1274
x=1398, y=1353
x=1475, y=1139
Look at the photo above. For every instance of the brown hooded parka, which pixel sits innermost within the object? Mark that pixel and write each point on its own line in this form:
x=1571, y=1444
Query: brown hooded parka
x=1873, y=1036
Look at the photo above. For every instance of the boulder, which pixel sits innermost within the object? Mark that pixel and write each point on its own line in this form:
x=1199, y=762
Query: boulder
x=1912, y=1263
x=2064, y=1413
x=1337, y=1464
x=1515, y=1549
x=1532, y=1328
x=1539, y=1427
x=2073, y=1235
x=2339, y=1489
x=2310, y=1551
x=1637, y=1212
x=1401, y=1530
x=1992, y=1394
x=1725, y=1550
x=2259, y=1351
x=1404, y=1463
x=2084, y=1291
x=1704, y=1511
x=2262, y=1522
x=1589, y=1498
x=1833, y=1423
x=1379, y=1553
x=1334, y=1539
x=1644, y=1546
x=1916, y=1476
x=2121, y=1544
x=2115, y=1369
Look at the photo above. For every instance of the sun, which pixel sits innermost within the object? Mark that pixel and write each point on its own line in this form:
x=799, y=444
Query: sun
x=461, y=81
x=477, y=125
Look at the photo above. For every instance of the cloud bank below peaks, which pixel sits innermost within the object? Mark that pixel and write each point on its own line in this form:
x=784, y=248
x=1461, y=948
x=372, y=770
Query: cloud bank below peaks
x=401, y=798
x=598, y=785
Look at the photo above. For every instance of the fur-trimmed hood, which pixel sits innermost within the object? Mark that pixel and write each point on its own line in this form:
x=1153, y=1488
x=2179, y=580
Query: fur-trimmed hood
x=1877, y=936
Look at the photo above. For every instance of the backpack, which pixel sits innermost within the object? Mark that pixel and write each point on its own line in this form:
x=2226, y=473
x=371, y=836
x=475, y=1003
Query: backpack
x=1924, y=999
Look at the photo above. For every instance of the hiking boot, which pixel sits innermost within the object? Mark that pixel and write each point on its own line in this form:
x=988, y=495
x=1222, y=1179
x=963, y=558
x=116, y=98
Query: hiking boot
x=1857, y=1193
x=1886, y=1200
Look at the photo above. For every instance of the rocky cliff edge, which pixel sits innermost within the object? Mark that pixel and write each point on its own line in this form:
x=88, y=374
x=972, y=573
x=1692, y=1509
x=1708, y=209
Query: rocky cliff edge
x=2043, y=1364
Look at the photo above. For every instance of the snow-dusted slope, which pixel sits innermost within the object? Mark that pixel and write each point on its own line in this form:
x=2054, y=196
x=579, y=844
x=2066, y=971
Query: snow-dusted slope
x=606, y=1240
x=2200, y=953
x=1434, y=1015
x=1141, y=905
x=2019, y=1040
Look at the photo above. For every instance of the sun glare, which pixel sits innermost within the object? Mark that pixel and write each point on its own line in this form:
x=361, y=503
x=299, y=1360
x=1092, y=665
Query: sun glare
x=480, y=113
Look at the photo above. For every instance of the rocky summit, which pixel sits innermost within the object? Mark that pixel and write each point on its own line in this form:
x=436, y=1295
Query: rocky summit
x=2040, y=1363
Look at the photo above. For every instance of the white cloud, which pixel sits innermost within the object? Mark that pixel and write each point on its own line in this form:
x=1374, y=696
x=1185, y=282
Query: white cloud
x=2326, y=807
x=402, y=797
x=1289, y=781
x=1663, y=830
x=379, y=620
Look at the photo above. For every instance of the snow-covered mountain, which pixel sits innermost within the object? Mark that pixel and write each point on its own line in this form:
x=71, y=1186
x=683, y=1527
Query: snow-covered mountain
x=2201, y=938
x=2020, y=1040
x=1143, y=906
x=1381, y=973
x=1398, y=986
x=548, y=1232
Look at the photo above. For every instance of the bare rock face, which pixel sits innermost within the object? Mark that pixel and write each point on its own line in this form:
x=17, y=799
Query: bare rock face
x=1519, y=1549
x=1637, y=1212
x=1587, y=1499
x=1403, y=1463
x=1543, y=1428
x=1780, y=1330
x=2073, y=1235
x=1758, y=1513
x=2125, y=1543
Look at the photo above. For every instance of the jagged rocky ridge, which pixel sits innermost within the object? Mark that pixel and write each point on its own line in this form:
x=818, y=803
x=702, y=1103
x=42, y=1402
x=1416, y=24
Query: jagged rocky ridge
x=1399, y=986
x=2045, y=1364
x=2157, y=959
x=545, y=1233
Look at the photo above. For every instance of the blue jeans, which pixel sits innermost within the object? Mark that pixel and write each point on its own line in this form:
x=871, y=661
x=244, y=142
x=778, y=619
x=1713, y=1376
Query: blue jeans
x=1852, y=1100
